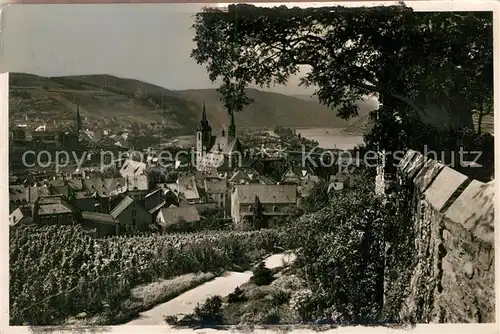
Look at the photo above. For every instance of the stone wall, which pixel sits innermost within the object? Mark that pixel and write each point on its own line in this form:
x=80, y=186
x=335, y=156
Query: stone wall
x=453, y=217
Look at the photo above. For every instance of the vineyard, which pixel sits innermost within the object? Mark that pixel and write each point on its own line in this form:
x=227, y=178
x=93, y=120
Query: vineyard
x=57, y=272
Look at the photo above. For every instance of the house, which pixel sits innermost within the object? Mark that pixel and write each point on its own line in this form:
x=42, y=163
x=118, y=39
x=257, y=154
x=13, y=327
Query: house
x=59, y=187
x=256, y=164
x=277, y=200
x=132, y=168
x=101, y=224
x=187, y=188
x=83, y=202
x=348, y=178
x=137, y=186
x=174, y=215
x=36, y=192
x=131, y=216
x=240, y=177
x=338, y=182
x=20, y=135
x=20, y=216
x=50, y=210
x=46, y=137
x=208, y=206
x=295, y=174
x=153, y=199
x=216, y=191
x=306, y=185
x=105, y=187
x=156, y=200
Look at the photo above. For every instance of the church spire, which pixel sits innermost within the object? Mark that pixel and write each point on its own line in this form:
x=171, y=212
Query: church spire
x=231, y=133
x=78, y=119
x=204, y=115
x=204, y=125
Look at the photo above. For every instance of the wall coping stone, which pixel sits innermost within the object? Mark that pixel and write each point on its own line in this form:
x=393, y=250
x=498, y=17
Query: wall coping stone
x=427, y=174
x=443, y=187
x=415, y=165
x=406, y=159
x=474, y=210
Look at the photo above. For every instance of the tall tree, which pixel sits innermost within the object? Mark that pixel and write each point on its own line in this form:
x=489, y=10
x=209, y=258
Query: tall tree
x=258, y=214
x=412, y=61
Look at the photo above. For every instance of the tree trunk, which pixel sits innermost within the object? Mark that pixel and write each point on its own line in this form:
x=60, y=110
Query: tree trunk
x=480, y=119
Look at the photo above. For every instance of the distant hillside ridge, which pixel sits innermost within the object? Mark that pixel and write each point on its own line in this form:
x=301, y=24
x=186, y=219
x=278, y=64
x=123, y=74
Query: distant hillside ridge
x=364, y=125
x=118, y=101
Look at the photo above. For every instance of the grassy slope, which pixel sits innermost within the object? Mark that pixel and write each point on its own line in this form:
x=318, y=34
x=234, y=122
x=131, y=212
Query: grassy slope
x=57, y=98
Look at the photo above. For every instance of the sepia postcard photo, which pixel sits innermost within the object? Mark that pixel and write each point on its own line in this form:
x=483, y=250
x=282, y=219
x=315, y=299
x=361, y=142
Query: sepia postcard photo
x=235, y=167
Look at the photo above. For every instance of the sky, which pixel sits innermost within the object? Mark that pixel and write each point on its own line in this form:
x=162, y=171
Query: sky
x=149, y=42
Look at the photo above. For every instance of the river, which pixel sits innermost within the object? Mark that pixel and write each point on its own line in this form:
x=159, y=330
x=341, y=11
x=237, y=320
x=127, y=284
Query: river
x=331, y=138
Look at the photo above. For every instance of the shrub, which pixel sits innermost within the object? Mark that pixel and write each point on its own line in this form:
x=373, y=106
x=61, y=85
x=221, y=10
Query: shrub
x=279, y=297
x=269, y=318
x=289, y=283
x=262, y=275
x=237, y=296
x=301, y=302
x=343, y=253
x=210, y=312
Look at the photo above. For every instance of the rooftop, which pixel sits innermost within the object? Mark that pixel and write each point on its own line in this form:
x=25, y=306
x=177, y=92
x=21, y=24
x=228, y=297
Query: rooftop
x=125, y=203
x=53, y=208
x=174, y=214
x=217, y=186
x=100, y=217
x=272, y=193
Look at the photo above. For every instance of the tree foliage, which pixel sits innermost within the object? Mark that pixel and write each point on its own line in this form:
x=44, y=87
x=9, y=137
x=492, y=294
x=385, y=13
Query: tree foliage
x=258, y=214
x=430, y=62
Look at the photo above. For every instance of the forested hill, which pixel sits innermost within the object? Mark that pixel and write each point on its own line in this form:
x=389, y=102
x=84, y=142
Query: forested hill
x=128, y=100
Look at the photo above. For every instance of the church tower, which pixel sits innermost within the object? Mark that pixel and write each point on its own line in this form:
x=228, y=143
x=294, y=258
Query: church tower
x=203, y=137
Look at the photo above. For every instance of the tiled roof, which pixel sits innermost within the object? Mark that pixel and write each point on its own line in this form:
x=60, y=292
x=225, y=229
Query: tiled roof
x=158, y=207
x=76, y=184
x=220, y=144
x=50, y=199
x=233, y=147
x=56, y=183
x=215, y=186
x=104, y=187
x=152, y=199
x=212, y=161
x=17, y=193
x=60, y=190
x=238, y=176
x=100, y=217
x=188, y=213
x=187, y=187
x=55, y=208
x=125, y=203
x=132, y=168
x=273, y=194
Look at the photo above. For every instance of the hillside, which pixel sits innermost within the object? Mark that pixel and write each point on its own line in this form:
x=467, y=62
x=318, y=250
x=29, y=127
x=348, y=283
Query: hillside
x=364, y=124
x=111, y=101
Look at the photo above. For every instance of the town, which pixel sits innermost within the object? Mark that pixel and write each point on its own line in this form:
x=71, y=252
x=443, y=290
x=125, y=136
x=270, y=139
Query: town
x=140, y=192
x=240, y=167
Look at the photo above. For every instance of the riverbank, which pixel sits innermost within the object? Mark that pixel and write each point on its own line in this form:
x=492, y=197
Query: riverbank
x=332, y=138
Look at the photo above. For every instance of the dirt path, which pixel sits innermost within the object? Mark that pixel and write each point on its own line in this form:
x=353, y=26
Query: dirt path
x=222, y=286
